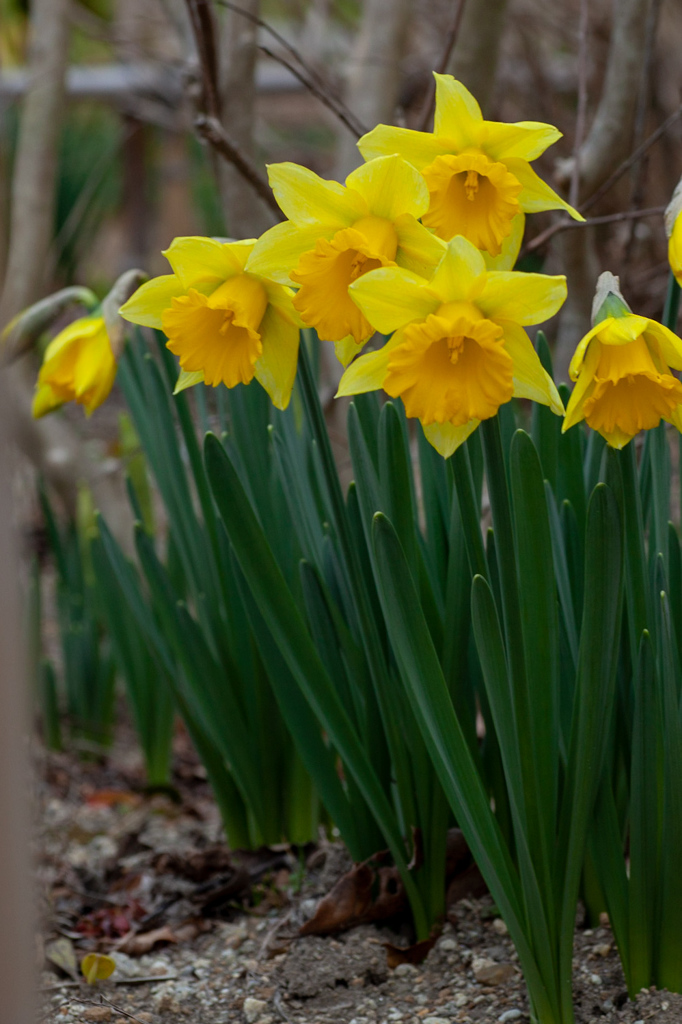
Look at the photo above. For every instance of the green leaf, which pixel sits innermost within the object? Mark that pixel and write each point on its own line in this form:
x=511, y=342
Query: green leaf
x=423, y=680
x=292, y=639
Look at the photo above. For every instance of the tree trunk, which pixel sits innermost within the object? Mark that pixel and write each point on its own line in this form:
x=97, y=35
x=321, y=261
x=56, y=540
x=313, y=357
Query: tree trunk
x=608, y=143
x=33, y=183
x=17, y=950
x=374, y=72
x=475, y=55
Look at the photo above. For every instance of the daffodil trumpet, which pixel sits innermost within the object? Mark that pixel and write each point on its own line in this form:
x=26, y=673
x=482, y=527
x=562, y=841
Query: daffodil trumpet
x=459, y=350
x=477, y=172
x=336, y=234
x=226, y=323
x=622, y=371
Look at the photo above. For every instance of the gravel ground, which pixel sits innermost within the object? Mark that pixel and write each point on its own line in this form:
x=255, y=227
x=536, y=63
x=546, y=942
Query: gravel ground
x=99, y=853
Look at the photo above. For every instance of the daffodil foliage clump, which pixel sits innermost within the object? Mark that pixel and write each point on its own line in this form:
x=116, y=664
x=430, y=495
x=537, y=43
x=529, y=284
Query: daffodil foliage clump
x=372, y=659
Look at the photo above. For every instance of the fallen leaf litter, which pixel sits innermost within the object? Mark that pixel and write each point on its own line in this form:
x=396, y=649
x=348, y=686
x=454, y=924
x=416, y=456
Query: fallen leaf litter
x=254, y=968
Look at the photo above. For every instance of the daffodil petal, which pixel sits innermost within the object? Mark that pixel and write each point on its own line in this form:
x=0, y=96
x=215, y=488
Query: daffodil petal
x=676, y=418
x=584, y=387
x=510, y=246
x=531, y=380
x=671, y=345
x=458, y=115
x=524, y=298
x=368, y=372
x=195, y=259
x=460, y=275
x=306, y=198
x=524, y=139
x=535, y=194
x=147, y=304
x=390, y=186
x=44, y=401
x=280, y=297
x=187, y=379
x=276, y=366
x=418, y=148
x=581, y=350
x=390, y=297
x=447, y=438
x=279, y=249
x=419, y=250
x=347, y=349
x=83, y=327
x=675, y=248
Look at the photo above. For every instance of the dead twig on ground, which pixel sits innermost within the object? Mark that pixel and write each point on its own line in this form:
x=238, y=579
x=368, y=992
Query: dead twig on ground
x=105, y=1002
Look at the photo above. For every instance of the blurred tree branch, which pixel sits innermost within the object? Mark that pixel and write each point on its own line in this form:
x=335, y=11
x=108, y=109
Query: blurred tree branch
x=373, y=82
x=33, y=183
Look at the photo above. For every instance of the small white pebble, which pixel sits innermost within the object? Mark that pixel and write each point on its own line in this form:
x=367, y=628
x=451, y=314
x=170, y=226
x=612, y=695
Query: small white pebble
x=509, y=1015
x=447, y=945
x=665, y=1005
x=501, y=928
x=405, y=970
x=253, y=1008
x=595, y=979
x=436, y=1020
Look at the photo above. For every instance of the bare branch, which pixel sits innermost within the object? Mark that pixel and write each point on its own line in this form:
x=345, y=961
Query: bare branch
x=203, y=26
x=309, y=77
x=630, y=161
x=567, y=225
x=213, y=132
x=427, y=109
x=344, y=115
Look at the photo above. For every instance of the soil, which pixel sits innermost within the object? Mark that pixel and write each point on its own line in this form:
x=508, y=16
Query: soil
x=121, y=870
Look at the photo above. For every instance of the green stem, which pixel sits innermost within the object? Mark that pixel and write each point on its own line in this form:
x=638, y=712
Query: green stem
x=469, y=511
x=672, y=303
x=639, y=613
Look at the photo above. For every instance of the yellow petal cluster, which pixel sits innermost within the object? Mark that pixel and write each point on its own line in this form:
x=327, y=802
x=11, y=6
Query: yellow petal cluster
x=226, y=323
x=336, y=234
x=623, y=380
x=78, y=366
x=477, y=172
x=459, y=350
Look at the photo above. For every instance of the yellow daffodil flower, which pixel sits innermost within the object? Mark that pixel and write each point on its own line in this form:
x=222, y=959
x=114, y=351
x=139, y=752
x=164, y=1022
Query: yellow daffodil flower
x=78, y=366
x=225, y=323
x=622, y=373
x=673, y=226
x=459, y=350
x=336, y=234
x=478, y=172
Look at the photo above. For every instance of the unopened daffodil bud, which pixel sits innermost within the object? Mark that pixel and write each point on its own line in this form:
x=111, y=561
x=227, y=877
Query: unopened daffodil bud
x=622, y=371
x=78, y=366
